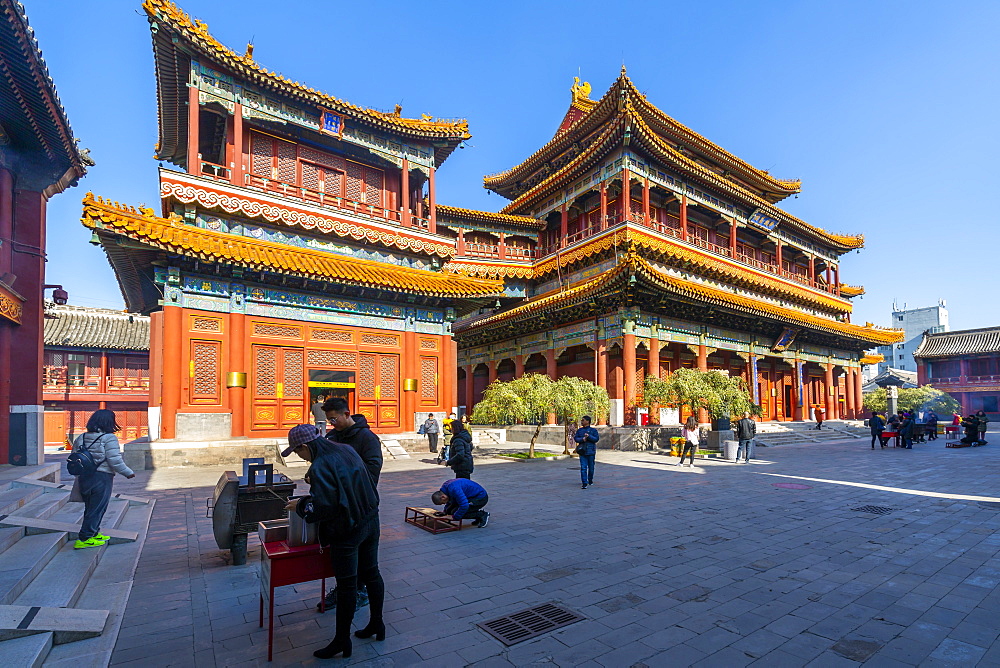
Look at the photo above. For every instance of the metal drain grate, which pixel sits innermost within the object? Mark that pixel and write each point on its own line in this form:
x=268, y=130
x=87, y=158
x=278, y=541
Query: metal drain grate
x=525, y=624
x=877, y=510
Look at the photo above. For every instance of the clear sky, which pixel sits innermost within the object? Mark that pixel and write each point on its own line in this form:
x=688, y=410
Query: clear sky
x=887, y=111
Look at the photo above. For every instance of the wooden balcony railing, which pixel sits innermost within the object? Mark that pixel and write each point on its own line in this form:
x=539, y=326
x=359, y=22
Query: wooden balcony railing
x=333, y=202
x=945, y=380
x=54, y=381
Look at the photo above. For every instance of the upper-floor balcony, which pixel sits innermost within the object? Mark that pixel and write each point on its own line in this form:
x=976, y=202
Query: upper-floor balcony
x=497, y=251
x=335, y=203
x=787, y=270
x=56, y=380
x=990, y=380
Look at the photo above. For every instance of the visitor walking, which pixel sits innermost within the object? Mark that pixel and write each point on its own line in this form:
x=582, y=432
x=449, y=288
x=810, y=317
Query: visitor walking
x=343, y=502
x=746, y=430
x=461, y=461
x=319, y=416
x=430, y=429
x=820, y=415
x=691, y=439
x=95, y=488
x=448, y=425
x=586, y=438
x=877, y=426
x=463, y=499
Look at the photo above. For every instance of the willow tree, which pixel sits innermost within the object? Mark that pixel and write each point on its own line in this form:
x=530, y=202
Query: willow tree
x=532, y=397
x=718, y=393
x=913, y=399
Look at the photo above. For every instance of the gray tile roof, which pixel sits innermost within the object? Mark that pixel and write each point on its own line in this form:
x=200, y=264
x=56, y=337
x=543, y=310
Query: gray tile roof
x=963, y=342
x=82, y=327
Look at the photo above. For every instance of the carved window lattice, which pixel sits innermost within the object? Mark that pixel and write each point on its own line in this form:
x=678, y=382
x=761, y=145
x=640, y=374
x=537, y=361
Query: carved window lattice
x=428, y=344
x=293, y=386
x=380, y=339
x=354, y=182
x=366, y=376
x=205, y=383
x=266, y=376
x=373, y=186
x=322, y=158
x=286, y=161
x=310, y=176
x=334, y=358
x=206, y=325
x=267, y=329
x=331, y=335
x=428, y=378
x=387, y=376
x=260, y=155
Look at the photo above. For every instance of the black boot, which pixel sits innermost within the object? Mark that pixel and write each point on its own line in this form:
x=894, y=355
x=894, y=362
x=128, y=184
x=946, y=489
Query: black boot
x=347, y=599
x=376, y=599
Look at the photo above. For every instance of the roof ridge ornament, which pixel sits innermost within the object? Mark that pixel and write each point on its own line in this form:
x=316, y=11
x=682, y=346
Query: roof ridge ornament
x=580, y=91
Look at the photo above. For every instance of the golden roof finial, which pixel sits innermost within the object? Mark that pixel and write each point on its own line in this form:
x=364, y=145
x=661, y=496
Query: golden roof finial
x=249, y=53
x=580, y=91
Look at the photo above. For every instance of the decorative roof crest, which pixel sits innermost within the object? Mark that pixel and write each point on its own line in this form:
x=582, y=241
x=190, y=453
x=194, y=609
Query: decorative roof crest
x=580, y=91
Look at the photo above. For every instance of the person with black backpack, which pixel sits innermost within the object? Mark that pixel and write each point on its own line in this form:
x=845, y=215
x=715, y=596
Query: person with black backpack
x=95, y=459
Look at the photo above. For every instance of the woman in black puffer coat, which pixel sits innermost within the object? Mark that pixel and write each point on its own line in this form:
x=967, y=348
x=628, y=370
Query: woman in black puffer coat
x=460, y=459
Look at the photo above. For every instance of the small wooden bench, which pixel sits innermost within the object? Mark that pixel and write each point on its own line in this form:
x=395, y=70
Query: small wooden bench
x=426, y=520
x=957, y=444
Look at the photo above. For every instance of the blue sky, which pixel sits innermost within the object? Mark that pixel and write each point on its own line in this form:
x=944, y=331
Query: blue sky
x=886, y=110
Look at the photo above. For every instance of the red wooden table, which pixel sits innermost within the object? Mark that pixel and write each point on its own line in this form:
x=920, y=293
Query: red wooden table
x=886, y=435
x=282, y=565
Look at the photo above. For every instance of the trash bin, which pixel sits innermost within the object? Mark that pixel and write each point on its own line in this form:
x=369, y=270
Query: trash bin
x=729, y=449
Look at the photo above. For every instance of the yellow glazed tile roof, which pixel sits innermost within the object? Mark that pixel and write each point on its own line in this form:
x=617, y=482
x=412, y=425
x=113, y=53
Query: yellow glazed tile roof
x=197, y=33
x=638, y=266
x=851, y=290
x=489, y=216
x=873, y=358
x=176, y=237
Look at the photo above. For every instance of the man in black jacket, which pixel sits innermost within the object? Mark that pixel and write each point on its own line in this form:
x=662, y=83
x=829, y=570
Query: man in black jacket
x=353, y=430
x=460, y=459
x=344, y=504
x=746, y=429
x=877, y=426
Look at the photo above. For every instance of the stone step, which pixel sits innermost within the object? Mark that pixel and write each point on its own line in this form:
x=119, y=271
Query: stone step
x=9, y=536
x=24, y=560
x=108, y=589
x=61, y=582
x=43, y=507
x=14, y=499
x=66, y=625
x=27, y=652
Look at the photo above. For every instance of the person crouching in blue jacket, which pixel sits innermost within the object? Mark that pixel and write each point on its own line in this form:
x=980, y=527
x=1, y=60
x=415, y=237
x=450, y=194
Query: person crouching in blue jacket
x=586, y=437
x=463, y=499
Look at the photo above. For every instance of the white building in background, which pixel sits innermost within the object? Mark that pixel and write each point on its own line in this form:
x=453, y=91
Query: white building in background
x=914, y=322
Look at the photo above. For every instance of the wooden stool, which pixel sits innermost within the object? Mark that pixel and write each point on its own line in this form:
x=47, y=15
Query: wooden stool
x=425, y=519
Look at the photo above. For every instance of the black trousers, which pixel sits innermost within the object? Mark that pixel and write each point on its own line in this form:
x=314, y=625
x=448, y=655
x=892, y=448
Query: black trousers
x=876, y=436
x=688, y=451
x=433, y=441
x=355, y=558
x=475, y=511
x=463, y=473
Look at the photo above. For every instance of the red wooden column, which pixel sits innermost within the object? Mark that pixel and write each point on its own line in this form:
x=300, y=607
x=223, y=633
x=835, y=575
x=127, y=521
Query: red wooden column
x=702, y=366
x=469, y=389
x=732, y=239
x=851, y=407
x=410, y=368
x=431, y=198
x=238, y=361
x=777, y=256
x=602, y=370
x=796, y=399
x=451, y=393
x=173, y=369
x=502, y=246
x=858, y=393
x=836, y=279
x=828, y=392
x=812, y=271
x=653, y=362
x=550, y=364
x=628, y=364
x=563, y=226
x=461, y=241
x=645, y=201
x=404, y=196
x=604, y=206
x=236, y=159
x=626, y=196
x=829, y=278
x=192, y=146
x=492, y=365
x=684, y=217
x=518, y=366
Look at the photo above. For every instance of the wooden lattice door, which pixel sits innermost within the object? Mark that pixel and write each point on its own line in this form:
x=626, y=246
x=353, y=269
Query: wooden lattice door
x=278, y=388
x=378, y=389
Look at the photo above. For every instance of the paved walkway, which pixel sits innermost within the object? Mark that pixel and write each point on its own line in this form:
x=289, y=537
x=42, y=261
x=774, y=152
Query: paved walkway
x=710, y=566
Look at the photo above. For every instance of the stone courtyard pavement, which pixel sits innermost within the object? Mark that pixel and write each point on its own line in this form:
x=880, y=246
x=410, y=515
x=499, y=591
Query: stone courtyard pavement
x=709, y=566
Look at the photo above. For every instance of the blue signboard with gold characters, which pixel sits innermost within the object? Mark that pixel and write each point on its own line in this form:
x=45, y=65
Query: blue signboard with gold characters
x=762, y=220
x=331, y=123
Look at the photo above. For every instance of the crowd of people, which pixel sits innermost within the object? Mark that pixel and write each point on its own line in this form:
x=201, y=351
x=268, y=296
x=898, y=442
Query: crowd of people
x=905, y=424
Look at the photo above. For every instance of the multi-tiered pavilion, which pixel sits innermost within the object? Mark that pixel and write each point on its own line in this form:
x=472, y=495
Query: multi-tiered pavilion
x=296, y=252
x=634, y=246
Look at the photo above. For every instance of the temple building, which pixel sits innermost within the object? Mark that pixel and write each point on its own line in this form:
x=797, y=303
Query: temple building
x=632, y=246
x=94, y=358
x=295, y=254
x=39, y=158
x=966, y=365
